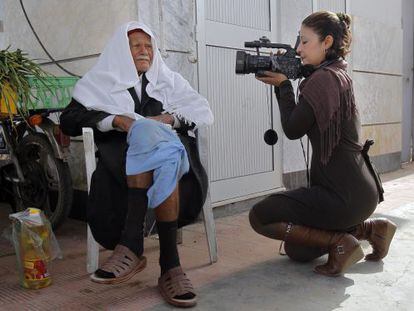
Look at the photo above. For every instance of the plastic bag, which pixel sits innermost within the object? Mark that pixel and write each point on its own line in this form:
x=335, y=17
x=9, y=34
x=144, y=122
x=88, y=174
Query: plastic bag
x=35, y=246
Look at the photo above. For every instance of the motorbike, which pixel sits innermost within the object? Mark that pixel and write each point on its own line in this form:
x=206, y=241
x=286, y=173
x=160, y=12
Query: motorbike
x=33, y=165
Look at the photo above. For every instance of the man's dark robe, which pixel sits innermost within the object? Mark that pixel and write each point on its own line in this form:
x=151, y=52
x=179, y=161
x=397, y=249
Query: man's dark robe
x=107, y=201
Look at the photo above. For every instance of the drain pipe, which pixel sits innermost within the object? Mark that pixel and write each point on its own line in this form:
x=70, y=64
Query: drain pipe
x=192, y=57
x=1, y=25
x=161, y=20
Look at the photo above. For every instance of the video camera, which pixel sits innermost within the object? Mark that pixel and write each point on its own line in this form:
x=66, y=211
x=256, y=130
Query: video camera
x=289, y=63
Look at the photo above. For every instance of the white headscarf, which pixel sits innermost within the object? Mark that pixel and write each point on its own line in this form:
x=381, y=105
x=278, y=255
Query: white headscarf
x=105, y=86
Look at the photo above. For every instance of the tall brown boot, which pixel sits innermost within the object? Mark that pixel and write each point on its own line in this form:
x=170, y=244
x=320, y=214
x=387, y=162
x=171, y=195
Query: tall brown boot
x=379, y=233
x=344, y=250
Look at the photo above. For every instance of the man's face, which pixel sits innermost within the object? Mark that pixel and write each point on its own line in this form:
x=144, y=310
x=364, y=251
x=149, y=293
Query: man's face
x=141, y=50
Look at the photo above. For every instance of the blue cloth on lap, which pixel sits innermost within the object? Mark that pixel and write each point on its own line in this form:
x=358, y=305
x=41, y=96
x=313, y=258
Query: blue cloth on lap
x=155, y=146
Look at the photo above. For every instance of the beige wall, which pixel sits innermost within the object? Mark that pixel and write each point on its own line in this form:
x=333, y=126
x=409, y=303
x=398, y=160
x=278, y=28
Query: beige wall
x=377, y=74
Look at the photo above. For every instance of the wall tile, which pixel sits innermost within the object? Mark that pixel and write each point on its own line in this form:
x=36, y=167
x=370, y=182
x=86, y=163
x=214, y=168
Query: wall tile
x=179, y=22
x=376, y=46
x=387, y=12
x=379, y=97
x=387, y=138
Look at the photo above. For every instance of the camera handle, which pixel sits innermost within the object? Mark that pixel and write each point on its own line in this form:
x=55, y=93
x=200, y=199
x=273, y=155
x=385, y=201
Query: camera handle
x=264, y=42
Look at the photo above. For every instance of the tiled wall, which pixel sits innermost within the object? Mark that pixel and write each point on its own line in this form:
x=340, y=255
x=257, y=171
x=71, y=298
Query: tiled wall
x=377, y=73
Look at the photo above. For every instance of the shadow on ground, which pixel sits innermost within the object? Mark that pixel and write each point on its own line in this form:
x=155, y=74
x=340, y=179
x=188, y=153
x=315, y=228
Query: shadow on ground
x=274, y=285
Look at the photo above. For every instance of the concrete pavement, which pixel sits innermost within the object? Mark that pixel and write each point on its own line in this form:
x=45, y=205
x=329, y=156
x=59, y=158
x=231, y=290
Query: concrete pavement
x=250, y=275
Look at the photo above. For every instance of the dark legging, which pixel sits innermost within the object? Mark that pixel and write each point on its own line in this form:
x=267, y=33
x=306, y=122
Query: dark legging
x=327, y=216
x=280, y=208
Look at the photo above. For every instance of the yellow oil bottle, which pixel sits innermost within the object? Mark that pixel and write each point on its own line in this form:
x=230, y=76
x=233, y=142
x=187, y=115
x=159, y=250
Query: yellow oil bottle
x=33, y=236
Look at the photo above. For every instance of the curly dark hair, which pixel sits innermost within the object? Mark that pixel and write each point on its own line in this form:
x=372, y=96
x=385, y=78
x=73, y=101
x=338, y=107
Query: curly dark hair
x=337, y=25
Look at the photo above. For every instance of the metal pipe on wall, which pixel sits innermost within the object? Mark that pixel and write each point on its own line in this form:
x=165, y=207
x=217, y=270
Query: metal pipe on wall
x=161, y=20
x=192, y=57
x=2, y=44
x=408, y=84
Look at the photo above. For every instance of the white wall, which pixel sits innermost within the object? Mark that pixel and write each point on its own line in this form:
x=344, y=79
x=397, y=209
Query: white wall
x=292, y=12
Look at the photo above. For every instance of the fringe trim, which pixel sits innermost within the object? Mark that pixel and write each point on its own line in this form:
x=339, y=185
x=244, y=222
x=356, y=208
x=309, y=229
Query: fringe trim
x=186, y=118
x=332, y=134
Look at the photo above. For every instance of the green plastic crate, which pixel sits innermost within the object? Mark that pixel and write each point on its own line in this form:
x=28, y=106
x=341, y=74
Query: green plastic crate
x=55, y=93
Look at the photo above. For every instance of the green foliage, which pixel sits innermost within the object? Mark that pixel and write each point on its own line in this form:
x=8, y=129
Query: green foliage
x=15, y=70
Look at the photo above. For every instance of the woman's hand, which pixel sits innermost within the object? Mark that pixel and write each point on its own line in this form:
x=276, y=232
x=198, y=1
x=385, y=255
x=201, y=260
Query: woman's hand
x=273, y=78
x=164, y=118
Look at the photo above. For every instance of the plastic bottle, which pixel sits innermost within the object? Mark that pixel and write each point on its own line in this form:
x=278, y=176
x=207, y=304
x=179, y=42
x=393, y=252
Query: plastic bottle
x=33, y=237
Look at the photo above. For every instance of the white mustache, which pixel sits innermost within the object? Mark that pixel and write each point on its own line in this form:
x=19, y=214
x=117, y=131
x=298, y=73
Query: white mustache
x=143, y=57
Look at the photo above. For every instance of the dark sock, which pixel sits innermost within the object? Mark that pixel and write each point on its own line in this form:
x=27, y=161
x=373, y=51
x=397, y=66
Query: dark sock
x=133, y=233
x=167, y=232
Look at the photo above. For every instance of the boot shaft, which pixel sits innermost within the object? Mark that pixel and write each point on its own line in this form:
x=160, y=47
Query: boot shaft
x=307, y=236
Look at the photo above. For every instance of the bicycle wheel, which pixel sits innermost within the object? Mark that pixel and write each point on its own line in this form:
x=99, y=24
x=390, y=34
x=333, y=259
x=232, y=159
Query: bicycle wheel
x=48, y=183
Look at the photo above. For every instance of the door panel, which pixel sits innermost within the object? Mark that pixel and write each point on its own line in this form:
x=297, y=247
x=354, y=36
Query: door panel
x=240, y=163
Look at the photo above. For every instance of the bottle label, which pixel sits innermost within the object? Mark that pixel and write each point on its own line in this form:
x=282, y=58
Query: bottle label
x=35, y=270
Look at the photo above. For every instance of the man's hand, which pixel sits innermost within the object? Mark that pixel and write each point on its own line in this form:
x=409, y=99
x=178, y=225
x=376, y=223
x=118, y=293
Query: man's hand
x=164, y=118
x=122, y=122
x=273, y=78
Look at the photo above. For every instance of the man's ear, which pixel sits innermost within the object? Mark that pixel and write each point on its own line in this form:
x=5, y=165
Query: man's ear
x=328, y=41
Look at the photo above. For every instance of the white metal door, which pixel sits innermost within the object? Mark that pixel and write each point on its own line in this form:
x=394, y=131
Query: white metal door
x=240, y=163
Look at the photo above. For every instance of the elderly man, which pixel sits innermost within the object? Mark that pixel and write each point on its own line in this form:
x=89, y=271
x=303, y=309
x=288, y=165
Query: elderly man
x=143, y=116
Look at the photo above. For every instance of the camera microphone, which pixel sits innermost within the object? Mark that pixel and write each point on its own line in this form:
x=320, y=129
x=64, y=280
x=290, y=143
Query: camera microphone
x=270, y=137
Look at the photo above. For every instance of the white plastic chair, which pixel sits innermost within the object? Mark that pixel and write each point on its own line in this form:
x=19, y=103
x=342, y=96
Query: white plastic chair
x=93, y=247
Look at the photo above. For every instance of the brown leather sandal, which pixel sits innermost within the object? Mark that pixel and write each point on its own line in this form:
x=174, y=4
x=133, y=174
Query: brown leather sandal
x=175, y=283
x=123, y=264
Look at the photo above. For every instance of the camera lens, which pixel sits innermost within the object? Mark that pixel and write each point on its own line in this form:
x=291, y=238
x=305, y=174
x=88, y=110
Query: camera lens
x=241, y=62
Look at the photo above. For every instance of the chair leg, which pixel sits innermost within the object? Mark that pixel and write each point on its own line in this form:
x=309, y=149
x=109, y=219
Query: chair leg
x=210, y=228
x=92, y=260
x=92, y=257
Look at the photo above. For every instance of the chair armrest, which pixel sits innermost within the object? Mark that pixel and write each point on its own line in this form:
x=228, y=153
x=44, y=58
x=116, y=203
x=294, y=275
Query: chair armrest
x=89, y=147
